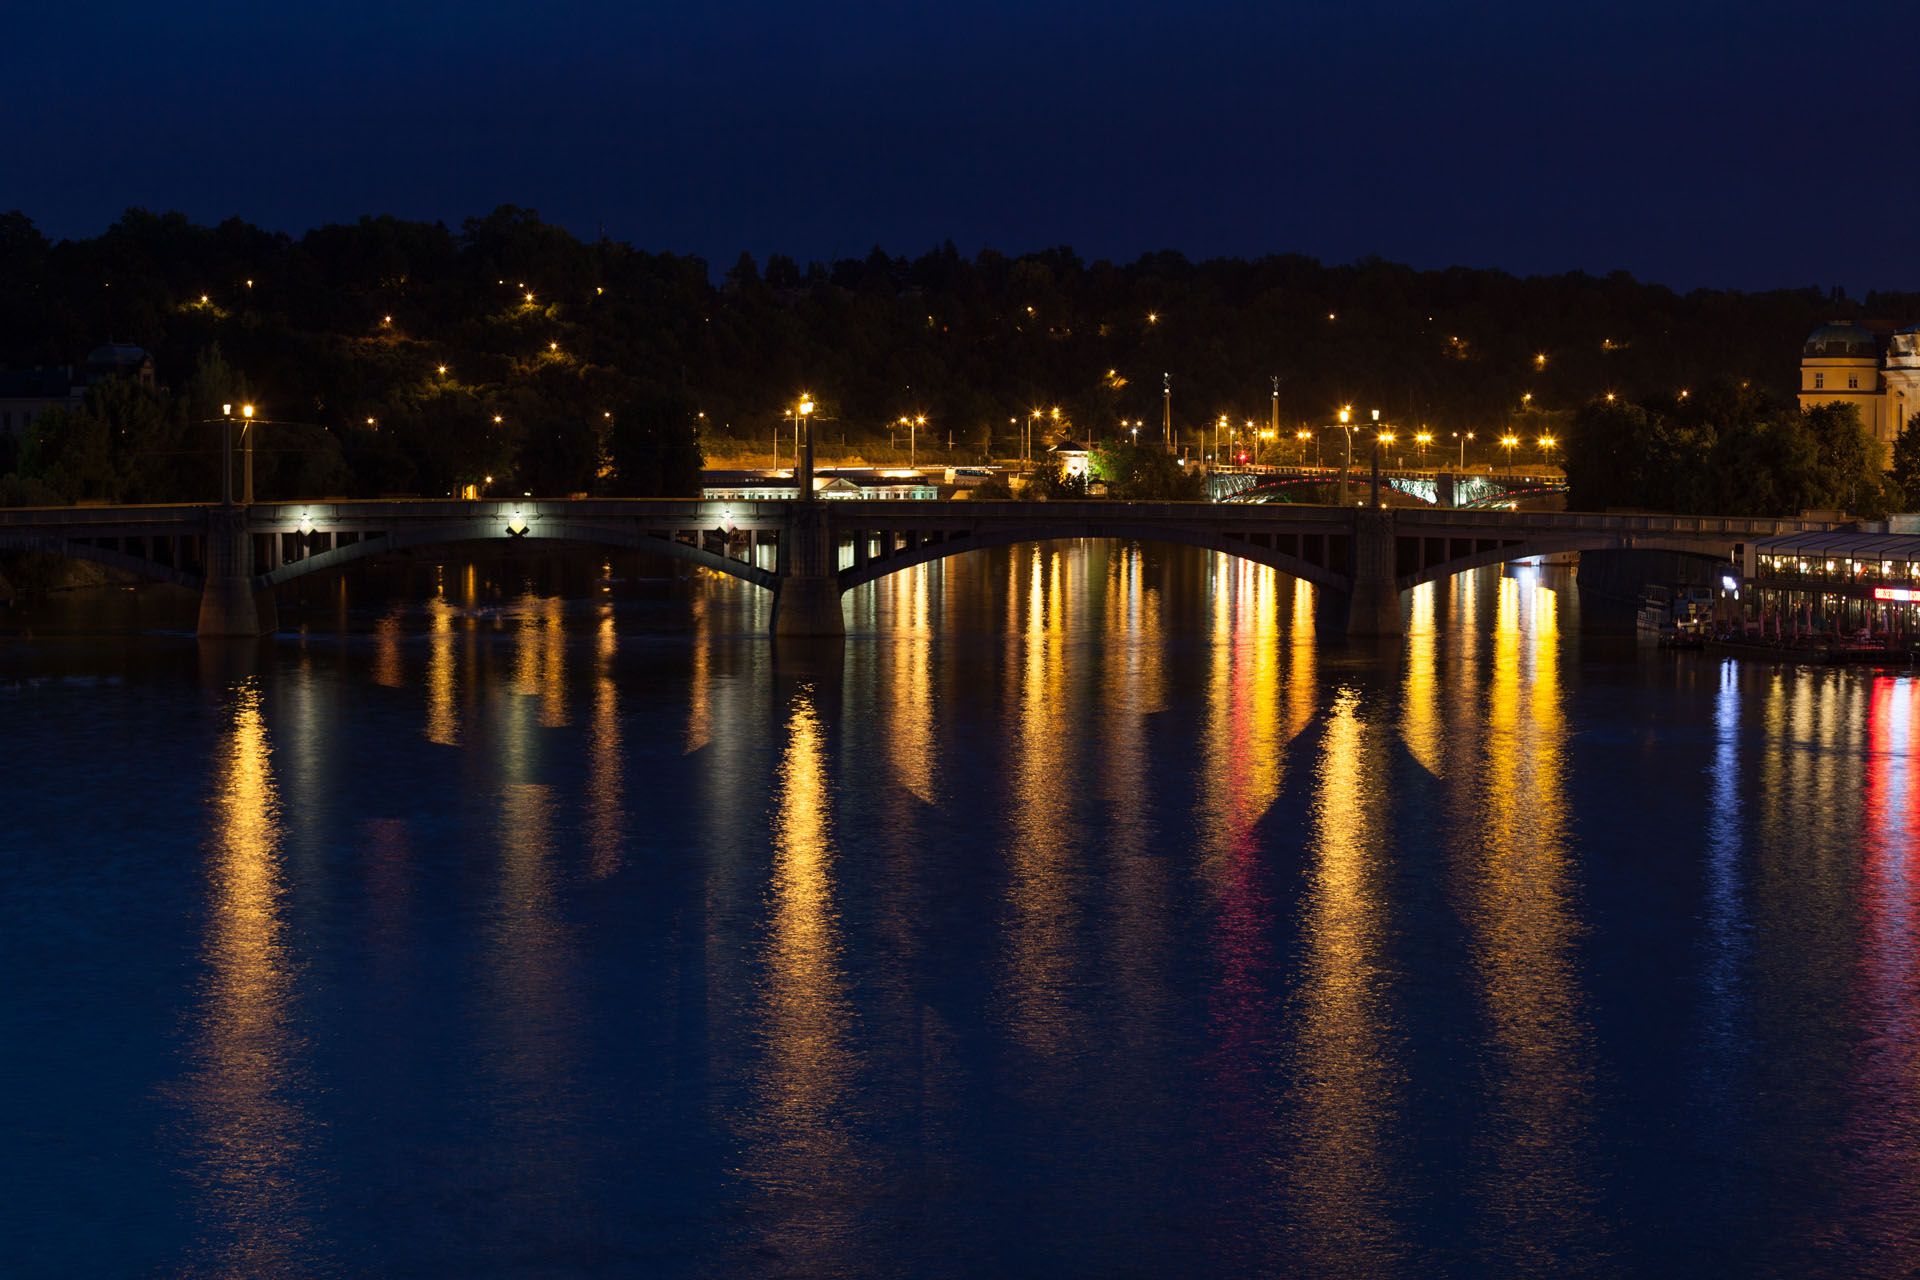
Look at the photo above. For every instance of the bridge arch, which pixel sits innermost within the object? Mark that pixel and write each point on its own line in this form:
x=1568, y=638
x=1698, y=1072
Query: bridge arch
x=488, y=531
x=72, y=549
x=1556, y=544
x=879, y=567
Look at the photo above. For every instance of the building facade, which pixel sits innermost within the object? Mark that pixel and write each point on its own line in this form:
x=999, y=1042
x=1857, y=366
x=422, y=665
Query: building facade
x=1842, y=363
x=25, y=394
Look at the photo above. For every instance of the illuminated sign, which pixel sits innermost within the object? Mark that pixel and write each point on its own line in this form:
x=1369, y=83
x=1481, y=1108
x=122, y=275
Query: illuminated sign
x=1903, y=595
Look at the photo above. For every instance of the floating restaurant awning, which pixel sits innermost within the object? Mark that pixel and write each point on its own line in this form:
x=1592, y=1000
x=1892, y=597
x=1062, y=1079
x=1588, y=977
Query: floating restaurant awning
x=1842, y=544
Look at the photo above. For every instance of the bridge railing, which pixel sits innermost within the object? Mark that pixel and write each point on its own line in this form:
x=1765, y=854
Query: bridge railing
x=1620, y=522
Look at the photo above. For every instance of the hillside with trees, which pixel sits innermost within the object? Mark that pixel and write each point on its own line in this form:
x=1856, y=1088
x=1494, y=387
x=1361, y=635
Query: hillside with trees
x=403, y=357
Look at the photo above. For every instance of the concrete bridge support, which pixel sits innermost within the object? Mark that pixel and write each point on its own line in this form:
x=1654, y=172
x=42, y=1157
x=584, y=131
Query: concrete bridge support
x=230, y=605
x=1373, y=606
x=807, y=602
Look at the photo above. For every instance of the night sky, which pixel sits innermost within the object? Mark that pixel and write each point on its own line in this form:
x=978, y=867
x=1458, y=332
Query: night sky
x=1749, y=145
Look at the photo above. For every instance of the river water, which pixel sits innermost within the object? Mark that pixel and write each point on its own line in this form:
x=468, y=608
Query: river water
x=1091, y=913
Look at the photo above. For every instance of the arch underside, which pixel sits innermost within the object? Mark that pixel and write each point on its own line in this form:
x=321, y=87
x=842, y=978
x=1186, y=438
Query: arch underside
x=1559, y=545
x=880, y=567
x=448, y=535
x=151, y=570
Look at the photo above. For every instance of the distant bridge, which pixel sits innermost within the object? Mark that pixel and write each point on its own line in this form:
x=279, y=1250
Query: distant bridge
x=808, y=553
x=1444, y=487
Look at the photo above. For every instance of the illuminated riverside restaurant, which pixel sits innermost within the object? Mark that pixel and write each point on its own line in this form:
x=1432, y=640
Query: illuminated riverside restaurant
x=1845, y=582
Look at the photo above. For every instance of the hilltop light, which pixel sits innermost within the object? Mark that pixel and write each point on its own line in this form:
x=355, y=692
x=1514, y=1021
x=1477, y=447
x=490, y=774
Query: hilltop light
x=443, y=370
x=1540, y=361
x=496, y=419
x=203, y=299
x=1153, y=317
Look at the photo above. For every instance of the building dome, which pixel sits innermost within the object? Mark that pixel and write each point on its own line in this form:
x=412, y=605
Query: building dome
x=1839, y=340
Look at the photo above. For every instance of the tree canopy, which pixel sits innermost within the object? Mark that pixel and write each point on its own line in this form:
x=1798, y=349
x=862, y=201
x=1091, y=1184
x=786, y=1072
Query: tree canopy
x=576, y=365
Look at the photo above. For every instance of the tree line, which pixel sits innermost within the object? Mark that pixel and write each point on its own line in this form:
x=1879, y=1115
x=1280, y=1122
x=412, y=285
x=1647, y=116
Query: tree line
x=391, y=356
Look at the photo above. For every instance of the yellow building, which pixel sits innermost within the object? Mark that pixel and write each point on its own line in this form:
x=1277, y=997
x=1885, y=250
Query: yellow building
x=1841, y=364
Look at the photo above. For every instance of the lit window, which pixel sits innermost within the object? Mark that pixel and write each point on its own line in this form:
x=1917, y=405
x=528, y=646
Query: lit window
x=1819, y=381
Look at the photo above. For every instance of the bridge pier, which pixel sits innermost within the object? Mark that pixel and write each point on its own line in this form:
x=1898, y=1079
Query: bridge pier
x=1373, y=604
x=230, y=605
x=807, y=600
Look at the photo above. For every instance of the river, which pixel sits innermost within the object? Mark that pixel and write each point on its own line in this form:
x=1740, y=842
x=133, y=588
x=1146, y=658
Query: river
x=1089, y=912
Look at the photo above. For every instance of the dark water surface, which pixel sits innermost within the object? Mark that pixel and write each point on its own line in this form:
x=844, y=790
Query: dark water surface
x=1094, y=914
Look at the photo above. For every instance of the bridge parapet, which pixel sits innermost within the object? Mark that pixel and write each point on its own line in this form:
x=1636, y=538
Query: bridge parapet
x=237, y=555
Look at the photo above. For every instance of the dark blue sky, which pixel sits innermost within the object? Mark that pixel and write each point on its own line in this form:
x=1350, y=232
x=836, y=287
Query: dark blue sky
x=1722, y=144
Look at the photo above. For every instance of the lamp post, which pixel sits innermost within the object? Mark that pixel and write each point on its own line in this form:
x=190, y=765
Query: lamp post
x=913, y=430
x=1379, y=438
x=1346, y=429
x=1166, y=406
x=1546, y=450
x=1423, y=439
x=246, y=454
x=1463, y=438
x=803, y=451
x=1509, y=442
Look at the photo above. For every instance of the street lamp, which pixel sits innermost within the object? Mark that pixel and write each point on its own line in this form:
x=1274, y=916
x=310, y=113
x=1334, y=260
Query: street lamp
x=1463, y=438
x=803, y=453
x=1423, y=439
x=1346, y=429
x=1509, y=442
x=1303, y=435
x=246, y=453
x=1546, y=449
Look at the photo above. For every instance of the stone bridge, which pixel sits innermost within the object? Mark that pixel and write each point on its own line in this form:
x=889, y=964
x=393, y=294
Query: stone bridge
x=808, y=553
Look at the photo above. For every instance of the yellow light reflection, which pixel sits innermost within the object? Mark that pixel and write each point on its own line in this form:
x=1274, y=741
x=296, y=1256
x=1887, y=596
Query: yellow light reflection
x=443, y=713
x=239, y=1096
x=908, y=706
x=1136, y=688
x=605, y=769
x=800, y=1142
x=700, y=694
x=388, y=670
x=1039, y=931
x=1242, y=747
x=1420, y=725
x=1337, y=1173
x=1523, y=924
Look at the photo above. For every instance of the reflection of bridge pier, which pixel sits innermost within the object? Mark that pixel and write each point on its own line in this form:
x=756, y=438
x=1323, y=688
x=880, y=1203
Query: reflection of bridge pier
x=811, y=553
